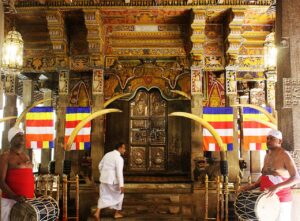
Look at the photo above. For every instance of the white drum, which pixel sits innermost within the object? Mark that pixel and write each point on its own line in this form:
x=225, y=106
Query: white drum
x=38, y=209
x=257, y=206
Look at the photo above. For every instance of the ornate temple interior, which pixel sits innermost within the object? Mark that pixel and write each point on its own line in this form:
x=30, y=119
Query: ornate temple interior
x=146, y=72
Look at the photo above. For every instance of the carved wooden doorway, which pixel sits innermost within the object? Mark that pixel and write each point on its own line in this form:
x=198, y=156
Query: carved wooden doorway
x=147, y=132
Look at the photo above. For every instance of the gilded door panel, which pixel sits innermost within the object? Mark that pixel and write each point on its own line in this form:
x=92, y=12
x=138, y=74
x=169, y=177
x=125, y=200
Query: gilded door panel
x=139, y=107
x=148, y=122
x=138, y=158
x=157, y=158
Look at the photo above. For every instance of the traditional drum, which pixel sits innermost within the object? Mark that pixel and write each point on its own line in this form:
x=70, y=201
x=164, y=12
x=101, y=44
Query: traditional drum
x=38, y=209
x=254, y=206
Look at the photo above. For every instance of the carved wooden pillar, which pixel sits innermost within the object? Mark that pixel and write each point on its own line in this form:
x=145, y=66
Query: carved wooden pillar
x=27, y=92
x=62, y=103
x=10, y=109
x=95, y=36
x=231, y=93
x=271, y=80
x=234, y=40
x=95, y=39
x=97, y=150
x=46, y=153
x=58, y=37
x=1, y=28
x=197, y=38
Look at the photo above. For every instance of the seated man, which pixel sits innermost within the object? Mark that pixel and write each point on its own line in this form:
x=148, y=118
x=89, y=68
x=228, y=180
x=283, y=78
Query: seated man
x=16, y=176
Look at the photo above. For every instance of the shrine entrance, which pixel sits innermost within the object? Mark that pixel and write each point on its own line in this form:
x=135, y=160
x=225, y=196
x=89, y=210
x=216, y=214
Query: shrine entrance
x=147, y=132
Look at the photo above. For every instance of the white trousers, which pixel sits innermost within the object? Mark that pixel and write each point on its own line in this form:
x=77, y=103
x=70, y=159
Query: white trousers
x=110, y=196
x=6, y=205
x=285, y=211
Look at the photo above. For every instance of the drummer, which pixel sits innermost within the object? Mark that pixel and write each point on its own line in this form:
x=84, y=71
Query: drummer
x=16, y=177
x=279, y=174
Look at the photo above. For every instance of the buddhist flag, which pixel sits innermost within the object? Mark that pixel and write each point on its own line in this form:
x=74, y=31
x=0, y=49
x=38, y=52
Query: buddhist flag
x=74, y=115
x=40, y=128
x=221, y=119
x=255, y=133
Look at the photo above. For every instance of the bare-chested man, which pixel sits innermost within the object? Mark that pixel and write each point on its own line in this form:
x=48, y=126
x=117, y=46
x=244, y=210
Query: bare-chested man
x=279, y=174
x=16, y=177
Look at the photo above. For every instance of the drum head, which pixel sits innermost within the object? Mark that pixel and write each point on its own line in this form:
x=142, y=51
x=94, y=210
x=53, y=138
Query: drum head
x=267, y=208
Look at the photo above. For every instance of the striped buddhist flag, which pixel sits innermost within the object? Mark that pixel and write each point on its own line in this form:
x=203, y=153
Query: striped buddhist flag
x=255, y=133
x=74, y=115
x=40, y=128
x=221, y=118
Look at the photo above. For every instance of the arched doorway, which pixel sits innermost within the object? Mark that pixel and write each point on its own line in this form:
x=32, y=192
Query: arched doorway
x=147, y=132
x=158, y=147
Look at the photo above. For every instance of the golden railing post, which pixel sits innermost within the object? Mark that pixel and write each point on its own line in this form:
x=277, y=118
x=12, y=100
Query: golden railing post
x=77, y=197
x=249, y=179
x=206, y=198
x=65, y=198
x=46, y=185
x=218, y=198
x=57, y=188
x=222, y=199
x=237, y=185
x=226, y=193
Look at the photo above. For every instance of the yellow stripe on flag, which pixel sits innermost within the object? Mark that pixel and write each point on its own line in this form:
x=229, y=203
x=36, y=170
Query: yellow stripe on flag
x=81, y=145
x=45, y=144
x=218, y=117
x=39, y=116
x=76, y=116
x=246, y=117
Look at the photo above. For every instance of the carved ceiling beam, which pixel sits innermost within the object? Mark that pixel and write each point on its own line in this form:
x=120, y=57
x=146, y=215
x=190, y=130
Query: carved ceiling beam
x=95, y=36
x=58, y=36
x=198, y=37
x=235, y=37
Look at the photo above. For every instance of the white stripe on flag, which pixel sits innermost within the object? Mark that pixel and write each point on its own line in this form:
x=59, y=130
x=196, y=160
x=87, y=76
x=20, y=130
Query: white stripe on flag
x=39, y=130
x=83, y=131
x=73, y=146
x=211, y=146
x=256, y=131
x=33, y=145
x=221, y=132
x=252, y=146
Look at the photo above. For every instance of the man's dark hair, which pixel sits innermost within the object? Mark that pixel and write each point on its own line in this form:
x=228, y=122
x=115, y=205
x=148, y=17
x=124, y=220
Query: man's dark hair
x=118, y=145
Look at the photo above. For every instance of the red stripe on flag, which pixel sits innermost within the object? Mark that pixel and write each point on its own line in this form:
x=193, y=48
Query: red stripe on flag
x=73, y=124
x=39, y=137
x=252, y=124
x=39, y=123
x=255, y=139
x=222, y=125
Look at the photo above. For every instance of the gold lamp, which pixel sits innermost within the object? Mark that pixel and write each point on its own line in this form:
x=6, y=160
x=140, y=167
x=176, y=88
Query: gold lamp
x=12, y=54
x=270, y=52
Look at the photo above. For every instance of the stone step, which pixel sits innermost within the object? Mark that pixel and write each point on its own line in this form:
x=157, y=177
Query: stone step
x=144, y=218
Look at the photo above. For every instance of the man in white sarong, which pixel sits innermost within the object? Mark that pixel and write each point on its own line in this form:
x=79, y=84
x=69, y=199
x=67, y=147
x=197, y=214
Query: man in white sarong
x=111, y=190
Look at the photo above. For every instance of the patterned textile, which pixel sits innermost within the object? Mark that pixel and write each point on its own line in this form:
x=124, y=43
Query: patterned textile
x=74, y=115
x=254, y=133
x=40, y=128
x=221, y=118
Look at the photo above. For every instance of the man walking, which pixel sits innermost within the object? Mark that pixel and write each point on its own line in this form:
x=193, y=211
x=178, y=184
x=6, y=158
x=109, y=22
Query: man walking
x=111, y=188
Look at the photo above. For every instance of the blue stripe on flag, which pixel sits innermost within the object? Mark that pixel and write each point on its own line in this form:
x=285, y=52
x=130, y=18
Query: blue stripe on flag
x=249, y=110
x=41, y=109
x=73, y=110
x=87, y=145
x=217, y=110
x=51, y=144
x=229, y=147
